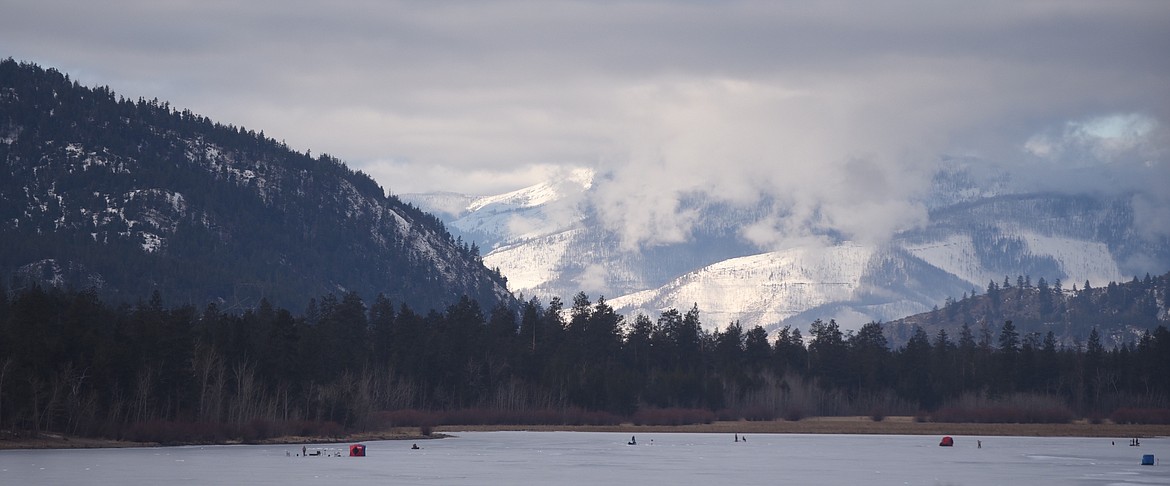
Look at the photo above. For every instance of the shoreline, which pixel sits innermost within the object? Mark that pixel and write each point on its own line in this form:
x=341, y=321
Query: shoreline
x=854, y=425
x=60, y=441
x=861, y=425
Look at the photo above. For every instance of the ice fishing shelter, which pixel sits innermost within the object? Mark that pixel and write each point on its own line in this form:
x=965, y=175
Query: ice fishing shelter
x=357, y=450
x=947, y=442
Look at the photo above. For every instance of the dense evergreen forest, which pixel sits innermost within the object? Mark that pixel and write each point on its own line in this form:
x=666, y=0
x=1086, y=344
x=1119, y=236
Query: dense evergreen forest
x=72, y=364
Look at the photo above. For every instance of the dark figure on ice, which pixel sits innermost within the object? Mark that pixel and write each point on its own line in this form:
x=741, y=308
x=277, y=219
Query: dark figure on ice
x=632, y=441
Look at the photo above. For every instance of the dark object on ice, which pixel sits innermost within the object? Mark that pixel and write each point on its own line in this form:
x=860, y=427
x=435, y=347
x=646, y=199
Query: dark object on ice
x=415, y=447
x=947, y=442
x=632, y=441
x=357, y=450
x=1148, y=460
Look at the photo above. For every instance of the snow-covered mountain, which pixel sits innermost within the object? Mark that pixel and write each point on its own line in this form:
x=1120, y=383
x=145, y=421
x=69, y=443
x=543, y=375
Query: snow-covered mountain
x=549, y=241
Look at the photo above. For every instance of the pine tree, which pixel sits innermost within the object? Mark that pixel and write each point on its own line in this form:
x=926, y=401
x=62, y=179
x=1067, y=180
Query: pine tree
x=1044, y=296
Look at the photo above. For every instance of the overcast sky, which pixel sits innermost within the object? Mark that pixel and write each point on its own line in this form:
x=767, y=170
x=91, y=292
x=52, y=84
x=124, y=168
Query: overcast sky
x=837, y=110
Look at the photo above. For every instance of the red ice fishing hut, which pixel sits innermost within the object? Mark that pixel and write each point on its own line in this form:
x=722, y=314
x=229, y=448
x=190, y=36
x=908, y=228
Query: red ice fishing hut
x=357, y=450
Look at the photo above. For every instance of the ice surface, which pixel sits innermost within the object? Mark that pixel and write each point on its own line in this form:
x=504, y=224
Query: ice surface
x=571, y=458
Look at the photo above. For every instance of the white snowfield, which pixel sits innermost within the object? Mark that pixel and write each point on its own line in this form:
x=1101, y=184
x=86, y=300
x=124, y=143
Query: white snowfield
x=1088, y=260
x=768, y=287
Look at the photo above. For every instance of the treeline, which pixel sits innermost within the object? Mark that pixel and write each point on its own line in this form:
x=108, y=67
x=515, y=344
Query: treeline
x=70, y=363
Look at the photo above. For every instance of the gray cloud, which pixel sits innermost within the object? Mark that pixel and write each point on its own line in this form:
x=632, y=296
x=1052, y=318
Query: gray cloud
x=836, y=110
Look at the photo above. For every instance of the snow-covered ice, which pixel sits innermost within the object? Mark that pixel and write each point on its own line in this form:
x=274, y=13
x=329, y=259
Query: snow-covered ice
x=570, y=458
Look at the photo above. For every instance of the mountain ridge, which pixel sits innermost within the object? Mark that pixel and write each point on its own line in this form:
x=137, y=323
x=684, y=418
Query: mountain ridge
x=130, y=197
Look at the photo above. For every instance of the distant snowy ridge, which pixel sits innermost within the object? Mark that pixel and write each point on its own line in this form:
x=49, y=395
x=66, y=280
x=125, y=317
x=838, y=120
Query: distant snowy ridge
x=981, y=229
x=769, y=287
x=536, y=195
x=538, y=210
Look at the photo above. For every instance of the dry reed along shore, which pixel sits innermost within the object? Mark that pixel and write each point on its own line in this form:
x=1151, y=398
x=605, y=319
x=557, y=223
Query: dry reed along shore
x=861, y=425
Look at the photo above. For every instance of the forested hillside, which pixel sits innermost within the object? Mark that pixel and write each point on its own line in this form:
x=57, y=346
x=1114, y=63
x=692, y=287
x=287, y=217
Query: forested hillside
x=1118, y=312
x=127, y=197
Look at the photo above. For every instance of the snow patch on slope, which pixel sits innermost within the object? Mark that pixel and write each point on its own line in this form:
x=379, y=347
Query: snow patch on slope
x=759, y=289
x=151, y=242
x=955, y=255
x=1080, y=260
x=529, y=265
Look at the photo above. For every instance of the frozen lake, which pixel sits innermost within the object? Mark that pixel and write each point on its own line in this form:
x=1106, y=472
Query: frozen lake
x=587, y=458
